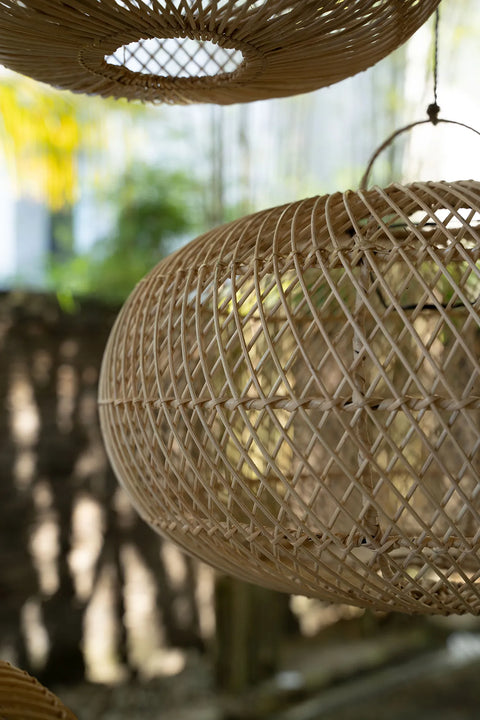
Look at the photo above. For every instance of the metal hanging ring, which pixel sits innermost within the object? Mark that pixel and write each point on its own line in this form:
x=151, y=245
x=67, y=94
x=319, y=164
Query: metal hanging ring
x=400, y=131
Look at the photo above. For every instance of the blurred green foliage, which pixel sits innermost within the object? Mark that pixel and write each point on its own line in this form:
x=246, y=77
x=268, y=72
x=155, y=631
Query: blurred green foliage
x=155, y=210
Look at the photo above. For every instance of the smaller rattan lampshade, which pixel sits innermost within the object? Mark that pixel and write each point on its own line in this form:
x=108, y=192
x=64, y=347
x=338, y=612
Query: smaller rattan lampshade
x=182, y=51
x=23, y=698
x=295, y=397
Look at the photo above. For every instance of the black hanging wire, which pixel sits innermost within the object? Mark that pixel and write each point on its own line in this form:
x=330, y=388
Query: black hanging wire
x=433, y=109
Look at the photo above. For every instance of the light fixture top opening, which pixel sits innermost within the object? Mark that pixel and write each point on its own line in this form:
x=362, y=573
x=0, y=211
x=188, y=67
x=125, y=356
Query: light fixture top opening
x=178, y=57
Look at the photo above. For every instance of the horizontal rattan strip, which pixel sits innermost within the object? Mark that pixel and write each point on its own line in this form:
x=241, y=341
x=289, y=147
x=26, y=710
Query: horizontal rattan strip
x=279, y=402
x=331, y=255
x=396, y=545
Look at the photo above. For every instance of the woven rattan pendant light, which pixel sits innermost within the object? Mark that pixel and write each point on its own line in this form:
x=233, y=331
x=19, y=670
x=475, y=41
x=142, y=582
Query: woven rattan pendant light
x=295, y=397
x=182, y=51
x=23, y=698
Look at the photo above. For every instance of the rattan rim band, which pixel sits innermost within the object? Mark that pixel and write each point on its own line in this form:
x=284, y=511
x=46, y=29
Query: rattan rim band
x=92, y=59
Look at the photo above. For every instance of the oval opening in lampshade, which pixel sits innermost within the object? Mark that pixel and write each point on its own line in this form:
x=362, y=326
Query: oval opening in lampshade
x=176, y=57
x=294, y=397
x=264, y=49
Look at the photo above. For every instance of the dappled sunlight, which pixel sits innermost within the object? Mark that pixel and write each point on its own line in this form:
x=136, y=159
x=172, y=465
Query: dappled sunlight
x=24, y=416
x=314, y=615
x=90, y=569
x=100, y=633
x=35, y=634
x=141, y=612
x=44, y=549
x=87, y=538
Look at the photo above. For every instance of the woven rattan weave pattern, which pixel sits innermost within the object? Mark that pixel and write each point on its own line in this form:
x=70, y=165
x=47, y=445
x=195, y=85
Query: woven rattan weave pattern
x=295, y=397
x=23, y=698
x=182, y=51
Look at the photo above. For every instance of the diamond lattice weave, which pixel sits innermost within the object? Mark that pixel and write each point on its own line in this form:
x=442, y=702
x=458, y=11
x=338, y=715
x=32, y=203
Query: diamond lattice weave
x=182, y=51
x=295, y=397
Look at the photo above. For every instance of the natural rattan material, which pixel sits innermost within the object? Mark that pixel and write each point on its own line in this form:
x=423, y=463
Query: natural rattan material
x=23, y=698
x=295, y=397
x=182, y=51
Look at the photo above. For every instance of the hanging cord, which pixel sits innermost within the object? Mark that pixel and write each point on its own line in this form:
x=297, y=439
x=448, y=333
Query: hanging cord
x=432, y=112
x=433, y=109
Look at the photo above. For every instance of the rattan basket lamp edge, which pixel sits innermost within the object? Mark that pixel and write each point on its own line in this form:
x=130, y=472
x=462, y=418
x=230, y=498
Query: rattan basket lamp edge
x=22, y=697
x=220, y=52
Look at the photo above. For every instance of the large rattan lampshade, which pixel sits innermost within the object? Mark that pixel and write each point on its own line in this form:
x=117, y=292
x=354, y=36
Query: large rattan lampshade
x=22, y=697
x=295, y=397
x=221, y=51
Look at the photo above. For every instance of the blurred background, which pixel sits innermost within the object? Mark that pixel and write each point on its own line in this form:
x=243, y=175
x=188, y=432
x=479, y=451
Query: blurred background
x=92, y=194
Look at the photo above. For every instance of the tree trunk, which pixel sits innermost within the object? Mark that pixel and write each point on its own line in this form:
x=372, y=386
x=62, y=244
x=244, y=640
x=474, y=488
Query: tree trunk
x=251, y=622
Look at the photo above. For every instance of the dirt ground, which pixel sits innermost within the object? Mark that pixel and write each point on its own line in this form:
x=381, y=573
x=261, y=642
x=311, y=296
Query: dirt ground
x=447, y=696
x=186, y=696
x=434, y=684
x=450, y=695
